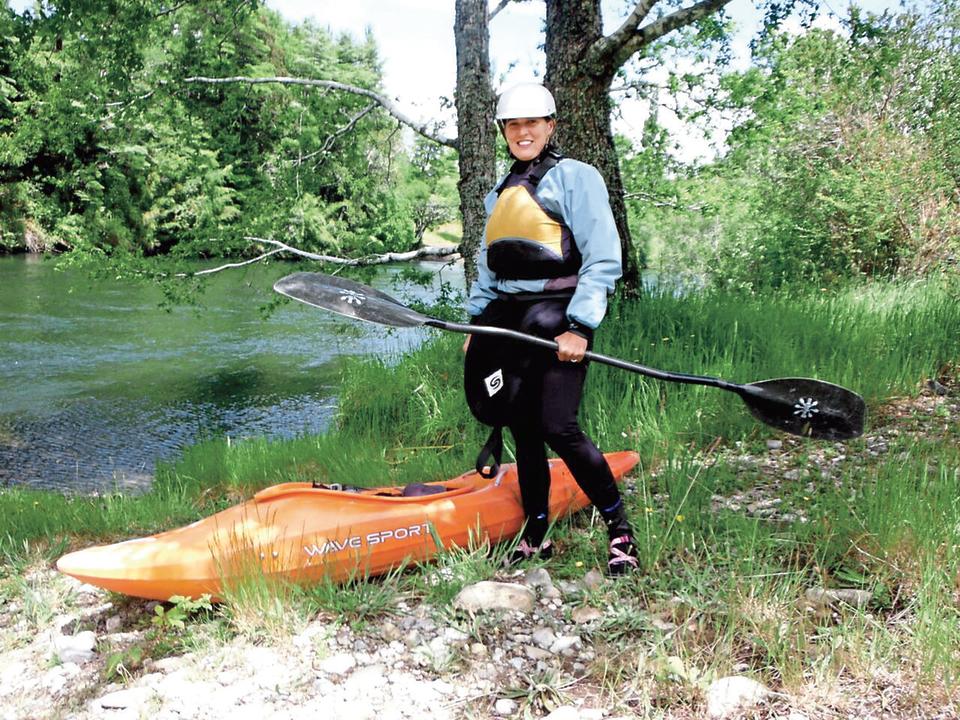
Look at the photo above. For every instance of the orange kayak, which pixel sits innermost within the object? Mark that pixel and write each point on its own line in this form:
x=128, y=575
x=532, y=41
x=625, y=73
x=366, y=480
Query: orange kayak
x=304, y=534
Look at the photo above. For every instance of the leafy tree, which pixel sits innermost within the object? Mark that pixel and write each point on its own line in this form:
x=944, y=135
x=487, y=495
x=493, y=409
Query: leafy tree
x=105, y=149
x=845, y=163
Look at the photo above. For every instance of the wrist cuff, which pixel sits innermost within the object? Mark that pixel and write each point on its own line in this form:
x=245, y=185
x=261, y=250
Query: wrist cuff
x=581, y=330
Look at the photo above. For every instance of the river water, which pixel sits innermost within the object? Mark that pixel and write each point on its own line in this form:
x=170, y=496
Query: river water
x=98, y=382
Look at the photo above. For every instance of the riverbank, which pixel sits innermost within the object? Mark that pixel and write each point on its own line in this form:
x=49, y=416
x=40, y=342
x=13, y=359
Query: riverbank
x=867, y=630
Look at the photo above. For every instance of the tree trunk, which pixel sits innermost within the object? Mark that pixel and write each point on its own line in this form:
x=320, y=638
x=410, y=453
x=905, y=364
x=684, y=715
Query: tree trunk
x=583, y=108
x=476, y=132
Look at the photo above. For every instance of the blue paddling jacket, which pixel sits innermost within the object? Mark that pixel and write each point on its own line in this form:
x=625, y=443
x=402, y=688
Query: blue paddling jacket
x=550, y=228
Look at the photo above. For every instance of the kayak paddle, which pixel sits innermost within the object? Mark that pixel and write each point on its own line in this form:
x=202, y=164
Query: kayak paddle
x=801, y=406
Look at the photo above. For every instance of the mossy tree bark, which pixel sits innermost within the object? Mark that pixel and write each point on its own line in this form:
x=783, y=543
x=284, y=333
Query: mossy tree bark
x=476, y=131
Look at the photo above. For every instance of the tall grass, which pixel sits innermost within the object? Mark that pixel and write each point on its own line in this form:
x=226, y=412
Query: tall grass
x=406, y=420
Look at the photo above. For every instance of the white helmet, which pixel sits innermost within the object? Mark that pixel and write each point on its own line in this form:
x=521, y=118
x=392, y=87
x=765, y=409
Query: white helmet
x=526, y=100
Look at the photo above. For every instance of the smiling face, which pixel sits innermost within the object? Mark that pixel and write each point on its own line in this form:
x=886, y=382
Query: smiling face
x=526, y=137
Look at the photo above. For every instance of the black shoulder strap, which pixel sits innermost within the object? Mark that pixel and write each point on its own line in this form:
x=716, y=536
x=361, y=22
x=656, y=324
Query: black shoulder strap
x=548, y=161
x=491, y=451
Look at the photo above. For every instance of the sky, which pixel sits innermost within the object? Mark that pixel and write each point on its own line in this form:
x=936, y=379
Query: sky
x=415, y=40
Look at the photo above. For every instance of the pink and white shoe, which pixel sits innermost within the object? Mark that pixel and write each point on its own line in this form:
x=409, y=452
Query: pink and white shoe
x=623, y=556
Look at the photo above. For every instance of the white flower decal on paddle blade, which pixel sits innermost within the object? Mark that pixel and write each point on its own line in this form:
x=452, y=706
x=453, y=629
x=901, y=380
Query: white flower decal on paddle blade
x=352, y=297
x=806, y=407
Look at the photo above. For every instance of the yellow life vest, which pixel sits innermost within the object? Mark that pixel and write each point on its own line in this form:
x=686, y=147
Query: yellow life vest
x=525, y=241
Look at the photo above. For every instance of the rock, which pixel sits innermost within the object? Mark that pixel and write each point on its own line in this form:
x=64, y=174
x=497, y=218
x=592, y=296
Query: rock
x=436, y=654
x=453, y=635
x=490, y=595
x=539, y=579
x=565, y=644
x=79, y=648
x=585, y=614
x=339, y=664
x=505, y=706
x=390, y=632
x=544, y=638
x=844, y=596
x=774, y=444
x=169, y=664
x=536, y=653
x=593, y=579
x=564, y=712
x=113, y=624
x=727, y=695
x=129, y=698
x=570, y=589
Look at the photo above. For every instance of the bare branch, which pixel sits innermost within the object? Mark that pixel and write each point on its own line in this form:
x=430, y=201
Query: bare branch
x=660, y=202
x=329, y=142
x=622, y=34
x=497, y=9
x=384, y=102
x=503, y=3
x=612, y=55
x=172, y=9
x=430, y=251
x=210, y=271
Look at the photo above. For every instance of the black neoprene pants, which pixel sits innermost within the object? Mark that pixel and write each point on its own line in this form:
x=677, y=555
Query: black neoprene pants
x=546, y=415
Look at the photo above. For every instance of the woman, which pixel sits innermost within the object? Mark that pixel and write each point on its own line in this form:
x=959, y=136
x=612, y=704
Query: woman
x=550, y=258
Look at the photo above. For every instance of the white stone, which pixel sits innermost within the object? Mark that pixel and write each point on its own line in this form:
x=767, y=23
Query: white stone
x=129, y=698
x=338, y=664
x=565, y=712
x=79, y=648
x=113, y=624
x=536, y=653
x=505, y=706
x=544, y=638
x=565, y=644
x=489, y=595
x=727, y=695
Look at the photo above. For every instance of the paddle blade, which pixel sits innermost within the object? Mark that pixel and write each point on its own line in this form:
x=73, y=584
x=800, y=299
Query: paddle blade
x=811, y=408
x=348, y=298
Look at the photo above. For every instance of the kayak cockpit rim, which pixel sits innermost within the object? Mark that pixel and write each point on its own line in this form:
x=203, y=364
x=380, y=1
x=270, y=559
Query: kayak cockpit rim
x=454, y=488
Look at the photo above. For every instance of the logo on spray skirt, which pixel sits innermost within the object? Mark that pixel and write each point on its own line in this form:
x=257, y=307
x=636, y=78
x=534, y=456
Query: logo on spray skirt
x=494, y=383
x=806, y=407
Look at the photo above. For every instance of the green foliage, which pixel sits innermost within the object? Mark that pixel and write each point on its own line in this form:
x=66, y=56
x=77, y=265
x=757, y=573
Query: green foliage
x=174, y=617
x=843, y=162
x=842, y=174
x=105, y=150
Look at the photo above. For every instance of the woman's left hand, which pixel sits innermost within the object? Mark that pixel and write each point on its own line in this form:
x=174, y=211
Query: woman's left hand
x=572, y=347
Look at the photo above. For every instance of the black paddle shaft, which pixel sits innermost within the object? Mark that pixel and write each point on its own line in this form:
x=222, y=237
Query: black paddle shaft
x=801, y=406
